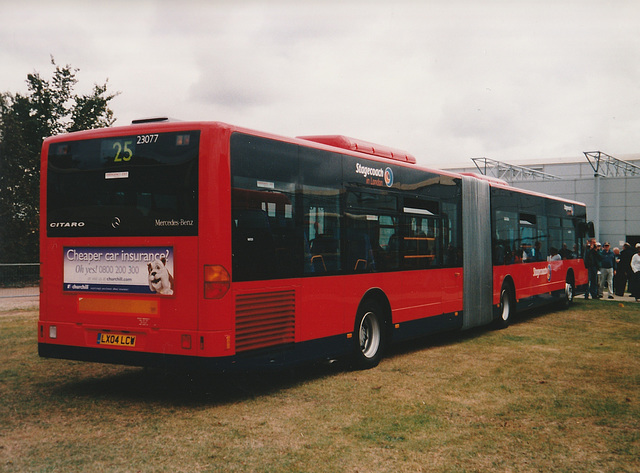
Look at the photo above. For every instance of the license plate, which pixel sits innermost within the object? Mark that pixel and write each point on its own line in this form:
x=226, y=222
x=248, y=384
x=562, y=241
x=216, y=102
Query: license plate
x=114, y=339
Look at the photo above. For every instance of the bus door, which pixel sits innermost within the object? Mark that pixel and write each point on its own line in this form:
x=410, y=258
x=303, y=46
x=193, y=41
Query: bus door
x=421, y=250
x=451, y=260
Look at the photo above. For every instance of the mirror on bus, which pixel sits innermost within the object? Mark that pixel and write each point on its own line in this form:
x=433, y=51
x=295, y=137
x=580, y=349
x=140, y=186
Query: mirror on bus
x=586, y=229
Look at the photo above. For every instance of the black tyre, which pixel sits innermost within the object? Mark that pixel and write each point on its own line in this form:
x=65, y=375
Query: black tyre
x=369, y=336
x=569, y=292
x=507, y=308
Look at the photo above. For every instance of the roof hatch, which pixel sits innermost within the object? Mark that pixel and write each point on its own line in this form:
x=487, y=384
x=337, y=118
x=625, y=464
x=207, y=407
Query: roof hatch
x=353, y=144
x=140, y=121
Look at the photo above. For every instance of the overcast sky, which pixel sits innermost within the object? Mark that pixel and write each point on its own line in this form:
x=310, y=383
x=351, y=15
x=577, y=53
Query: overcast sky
x=446, y=80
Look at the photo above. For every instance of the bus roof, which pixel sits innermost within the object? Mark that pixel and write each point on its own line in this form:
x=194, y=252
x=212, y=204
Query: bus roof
x=353, y=144
x=482, y=177
x=335, y=141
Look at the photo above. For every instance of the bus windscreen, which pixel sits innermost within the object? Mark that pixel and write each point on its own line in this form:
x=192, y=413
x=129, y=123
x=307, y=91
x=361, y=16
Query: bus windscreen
x=134, y=185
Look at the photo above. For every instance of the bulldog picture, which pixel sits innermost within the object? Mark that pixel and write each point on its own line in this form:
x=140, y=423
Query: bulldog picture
x=160, y=279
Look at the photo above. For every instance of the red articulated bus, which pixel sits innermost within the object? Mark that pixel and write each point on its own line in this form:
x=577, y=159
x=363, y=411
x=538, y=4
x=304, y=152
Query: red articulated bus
x=209, y=246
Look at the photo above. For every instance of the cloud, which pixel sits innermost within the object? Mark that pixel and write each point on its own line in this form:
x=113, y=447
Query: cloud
x=445, y=80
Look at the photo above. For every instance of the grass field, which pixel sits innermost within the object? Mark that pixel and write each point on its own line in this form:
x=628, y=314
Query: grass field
x=557, y=391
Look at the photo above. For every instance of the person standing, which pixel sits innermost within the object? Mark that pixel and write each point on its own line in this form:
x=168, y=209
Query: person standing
x=607, y=268
x=616, y=278
x=624, y=269
x=591, y=262
x=635, y=277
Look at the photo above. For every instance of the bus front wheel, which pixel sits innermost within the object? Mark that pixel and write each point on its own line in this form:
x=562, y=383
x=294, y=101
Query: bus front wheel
x=369, y=336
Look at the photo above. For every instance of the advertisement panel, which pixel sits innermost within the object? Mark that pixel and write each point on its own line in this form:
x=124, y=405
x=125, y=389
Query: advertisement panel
x=135, y=270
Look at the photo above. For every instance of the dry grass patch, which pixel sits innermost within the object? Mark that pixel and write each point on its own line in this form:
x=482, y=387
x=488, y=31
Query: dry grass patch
x=557, y=391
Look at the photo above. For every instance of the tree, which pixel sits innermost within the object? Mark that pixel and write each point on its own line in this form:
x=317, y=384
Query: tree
x=49, y=108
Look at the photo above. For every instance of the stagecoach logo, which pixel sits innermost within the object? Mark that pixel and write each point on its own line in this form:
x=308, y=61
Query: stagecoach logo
x=376, y=176
x=66, y=224
x=543, y=272
x=388, y=177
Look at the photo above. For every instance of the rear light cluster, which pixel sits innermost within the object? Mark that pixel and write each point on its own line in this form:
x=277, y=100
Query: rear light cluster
x=216, y=281
x=53, y=332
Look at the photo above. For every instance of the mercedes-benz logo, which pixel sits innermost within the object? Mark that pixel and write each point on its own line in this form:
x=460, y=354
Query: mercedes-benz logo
x=115, y=223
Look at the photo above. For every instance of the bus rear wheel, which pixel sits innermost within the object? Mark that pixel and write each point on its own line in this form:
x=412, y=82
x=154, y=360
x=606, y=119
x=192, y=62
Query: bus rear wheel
x=369, y=336
x=569, y=292
x=507, y=308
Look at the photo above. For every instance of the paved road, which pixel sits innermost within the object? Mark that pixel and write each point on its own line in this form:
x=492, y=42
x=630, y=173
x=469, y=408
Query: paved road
x=19, y=298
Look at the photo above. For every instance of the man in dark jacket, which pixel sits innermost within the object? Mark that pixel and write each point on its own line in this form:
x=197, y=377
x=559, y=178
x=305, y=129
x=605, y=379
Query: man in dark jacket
x=592, y=263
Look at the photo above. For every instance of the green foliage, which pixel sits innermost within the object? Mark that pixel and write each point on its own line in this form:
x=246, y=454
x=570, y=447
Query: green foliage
x=49, y=107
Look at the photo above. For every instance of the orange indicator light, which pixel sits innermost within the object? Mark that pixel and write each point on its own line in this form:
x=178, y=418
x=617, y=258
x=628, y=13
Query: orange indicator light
x=216, y=281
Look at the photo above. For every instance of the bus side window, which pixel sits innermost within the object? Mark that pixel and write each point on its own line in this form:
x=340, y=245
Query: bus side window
x=388, y=242
x=505, y=238
x=570, y=244
x=253, y=245
x=372, y=242
x=265, y=241
x=263, y=235
x=541, y=244
x=555, y=237
x=360, y=250
x=422, y=234
x=528, y=238
x=451, y=235
x=371, y=233
x=506, y=243
x=321, y=230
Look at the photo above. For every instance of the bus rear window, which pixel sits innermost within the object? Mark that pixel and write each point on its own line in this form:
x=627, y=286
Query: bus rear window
x=135, y=185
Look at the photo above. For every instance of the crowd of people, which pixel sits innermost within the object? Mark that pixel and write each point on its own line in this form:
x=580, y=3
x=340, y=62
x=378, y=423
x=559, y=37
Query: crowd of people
x=612, y=268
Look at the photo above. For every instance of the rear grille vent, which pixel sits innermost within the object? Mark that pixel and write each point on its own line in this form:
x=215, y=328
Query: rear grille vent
x=265, y=320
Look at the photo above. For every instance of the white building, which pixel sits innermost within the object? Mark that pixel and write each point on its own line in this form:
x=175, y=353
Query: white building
x=609, y=186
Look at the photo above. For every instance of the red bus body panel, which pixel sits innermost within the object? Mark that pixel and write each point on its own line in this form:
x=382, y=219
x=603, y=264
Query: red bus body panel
x=186, y=324
x=535, y=279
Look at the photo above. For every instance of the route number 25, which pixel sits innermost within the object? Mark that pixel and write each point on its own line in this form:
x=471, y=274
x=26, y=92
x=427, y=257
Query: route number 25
x=123, y=151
